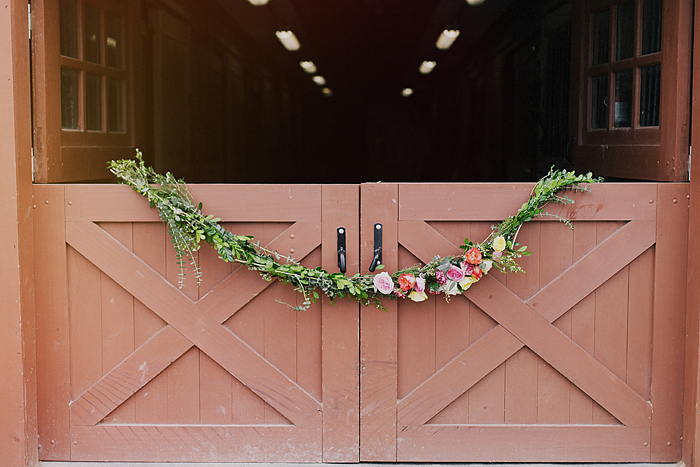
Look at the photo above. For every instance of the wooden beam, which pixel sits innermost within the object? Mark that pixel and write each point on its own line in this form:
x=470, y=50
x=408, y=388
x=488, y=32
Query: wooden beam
x=18, y=411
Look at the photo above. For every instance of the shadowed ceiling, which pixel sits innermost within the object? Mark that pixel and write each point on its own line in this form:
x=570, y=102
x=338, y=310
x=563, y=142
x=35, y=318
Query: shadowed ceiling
x=369, y=48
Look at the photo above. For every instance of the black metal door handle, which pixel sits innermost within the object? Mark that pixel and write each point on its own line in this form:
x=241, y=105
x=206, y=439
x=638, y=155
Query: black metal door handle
x=377, y=260
x=341, y=250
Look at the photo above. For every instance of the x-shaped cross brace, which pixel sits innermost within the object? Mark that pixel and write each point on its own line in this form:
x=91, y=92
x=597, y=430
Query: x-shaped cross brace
x=528, y=323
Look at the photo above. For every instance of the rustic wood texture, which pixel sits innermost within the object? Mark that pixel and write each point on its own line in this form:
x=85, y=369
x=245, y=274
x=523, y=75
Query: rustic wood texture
x=378, y=337
x=341, y=331
x=565, y=348
x=53, y=383
x=144, y=355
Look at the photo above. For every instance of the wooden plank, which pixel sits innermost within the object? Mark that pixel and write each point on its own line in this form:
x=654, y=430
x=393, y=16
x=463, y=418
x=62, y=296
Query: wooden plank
x=583, y=324
x=378, y=332
x=215, y=397
x=150, y=243
x=117, y=321
x=452, y=329
x=219, y=343
x=560, y=352
x=639, y=323
x=53, y=367
x=555, y=252
x=341, y=331
x=610, y=333
x=203, y=443
x=495, y=202
x=669, y=323
x=183, y=374
x=488, y=443
x=521, y=398
x=277, y=203
x=84, y=316
x=416, y=342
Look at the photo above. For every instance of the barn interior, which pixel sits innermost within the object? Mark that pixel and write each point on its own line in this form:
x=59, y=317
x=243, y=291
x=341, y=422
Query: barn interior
x=225, y=101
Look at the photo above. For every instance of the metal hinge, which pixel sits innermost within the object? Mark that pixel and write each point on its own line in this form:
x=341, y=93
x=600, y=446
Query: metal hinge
x=690, y=154
x=29, y=18
x=33, y=165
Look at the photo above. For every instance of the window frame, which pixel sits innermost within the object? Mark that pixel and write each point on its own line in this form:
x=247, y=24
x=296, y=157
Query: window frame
x=72, y=155
x=635, y=152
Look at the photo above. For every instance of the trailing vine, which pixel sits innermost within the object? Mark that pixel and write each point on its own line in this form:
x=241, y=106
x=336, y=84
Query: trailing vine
x=188, y=228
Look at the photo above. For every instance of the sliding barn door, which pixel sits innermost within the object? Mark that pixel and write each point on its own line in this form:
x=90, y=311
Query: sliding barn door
x=579, y=359
x=134, y=368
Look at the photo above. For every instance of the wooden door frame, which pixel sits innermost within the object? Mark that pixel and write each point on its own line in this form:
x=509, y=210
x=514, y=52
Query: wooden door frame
x=18, y=412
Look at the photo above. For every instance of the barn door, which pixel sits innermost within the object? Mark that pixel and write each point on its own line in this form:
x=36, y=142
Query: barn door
x=132, y=368
x=580, y=359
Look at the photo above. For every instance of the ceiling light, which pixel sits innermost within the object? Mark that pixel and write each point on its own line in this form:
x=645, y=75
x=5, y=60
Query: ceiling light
x=288, y=40
x=327, y=92
x=406, y=92
x=320, y=80
x=308, y=66
x=258, y=2
x=447, y=37
x=475, y=2
x=427, y=66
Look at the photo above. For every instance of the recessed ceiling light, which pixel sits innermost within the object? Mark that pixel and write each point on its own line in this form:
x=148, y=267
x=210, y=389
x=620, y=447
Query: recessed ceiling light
x=427, y=66
x=447, y=37
x=288, y=40
x=406, y=92
x=258, y=2
x=475, y=2
x=308, y=66
x=327, y=92
x=320, y=80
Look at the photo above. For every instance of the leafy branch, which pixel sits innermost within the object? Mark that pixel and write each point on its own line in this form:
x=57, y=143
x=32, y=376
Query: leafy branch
x=188, y=227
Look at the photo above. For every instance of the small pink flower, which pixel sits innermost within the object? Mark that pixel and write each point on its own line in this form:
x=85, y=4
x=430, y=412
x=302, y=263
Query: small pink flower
x=384, y=283
x=399, y=293
x=467, y=269
x=440, y=277
x=420, y=284
x=497, y=254
x=455, y=274
x=477, y=273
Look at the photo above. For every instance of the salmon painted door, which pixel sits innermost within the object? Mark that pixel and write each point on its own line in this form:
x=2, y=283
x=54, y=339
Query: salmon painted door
x=580, y=359
x=133, y=368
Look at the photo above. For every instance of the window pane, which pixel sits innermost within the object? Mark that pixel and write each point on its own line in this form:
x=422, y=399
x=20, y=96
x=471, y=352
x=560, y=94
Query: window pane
x=625, y=30
x=650, y=96
x=599, y=101
x=92, y=34
x=623, y=99
x=69, y=99
x=69, y=28
x=93, y=102
x=651, y=27
x=601, y=37
x=114, y=105
x=114, y=41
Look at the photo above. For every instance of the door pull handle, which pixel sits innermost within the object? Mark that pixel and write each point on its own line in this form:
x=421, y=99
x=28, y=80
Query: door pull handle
x=377, y=260
x=341, y=250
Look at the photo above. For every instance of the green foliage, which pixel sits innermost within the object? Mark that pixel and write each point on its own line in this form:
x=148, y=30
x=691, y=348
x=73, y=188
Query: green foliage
x=188, y=227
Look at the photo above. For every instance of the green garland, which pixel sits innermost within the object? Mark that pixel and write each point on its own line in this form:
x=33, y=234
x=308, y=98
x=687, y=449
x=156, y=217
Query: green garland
x=450, y=275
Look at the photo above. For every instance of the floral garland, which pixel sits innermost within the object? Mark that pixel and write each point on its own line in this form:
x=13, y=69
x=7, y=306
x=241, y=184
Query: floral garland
x=450, y=275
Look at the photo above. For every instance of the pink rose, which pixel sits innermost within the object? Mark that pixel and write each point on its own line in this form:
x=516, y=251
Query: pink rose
x=455, y=274
x=420, y=284
x=477, y=273
x=497, y=254
x=384, y=283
